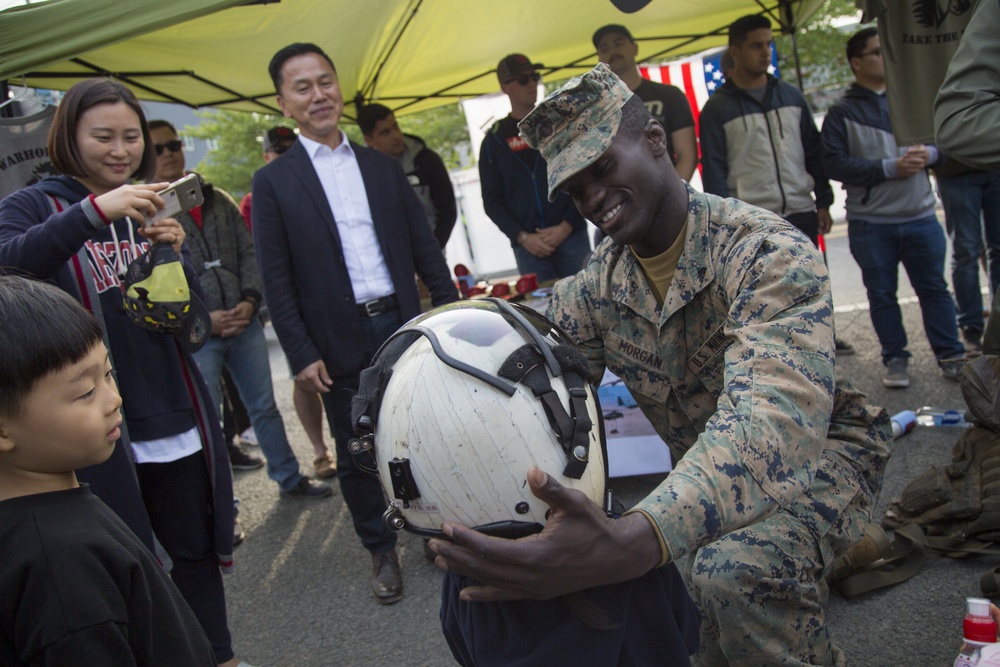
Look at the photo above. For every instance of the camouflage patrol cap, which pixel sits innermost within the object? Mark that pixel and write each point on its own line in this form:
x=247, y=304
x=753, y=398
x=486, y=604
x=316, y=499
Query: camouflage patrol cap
x=573, y=126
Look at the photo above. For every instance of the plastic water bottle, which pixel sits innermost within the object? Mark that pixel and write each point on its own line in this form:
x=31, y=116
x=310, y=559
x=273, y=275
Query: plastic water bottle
x=931, y=416
x=903, y=422
x=979, y=630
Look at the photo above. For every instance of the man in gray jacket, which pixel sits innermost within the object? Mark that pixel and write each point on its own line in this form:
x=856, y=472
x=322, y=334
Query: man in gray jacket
x=223, y=256
x=890, y=214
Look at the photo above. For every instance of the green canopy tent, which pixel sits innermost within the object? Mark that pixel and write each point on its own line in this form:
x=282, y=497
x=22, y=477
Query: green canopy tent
x=408, y=54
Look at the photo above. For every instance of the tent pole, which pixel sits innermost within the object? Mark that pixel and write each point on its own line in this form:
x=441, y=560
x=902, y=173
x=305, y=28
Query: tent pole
x=788, y=26
x=5, y=111
x=798, y=64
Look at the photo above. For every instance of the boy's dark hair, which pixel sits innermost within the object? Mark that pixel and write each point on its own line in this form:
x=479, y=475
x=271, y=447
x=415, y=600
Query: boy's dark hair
x=856, y=44
x=743, y=26
x=289, y=52
x=80, y=98
x=43, y=330
x=161, y=124
x=369, y=116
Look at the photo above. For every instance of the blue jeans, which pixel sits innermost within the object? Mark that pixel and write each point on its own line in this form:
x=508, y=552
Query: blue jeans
x=362, y=491
x=972, y=208
x=920, y=246
x=565, y=261
x=246, y=358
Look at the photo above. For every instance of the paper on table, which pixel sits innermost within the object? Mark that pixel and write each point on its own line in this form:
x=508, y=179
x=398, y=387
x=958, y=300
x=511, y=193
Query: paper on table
x=634, y=448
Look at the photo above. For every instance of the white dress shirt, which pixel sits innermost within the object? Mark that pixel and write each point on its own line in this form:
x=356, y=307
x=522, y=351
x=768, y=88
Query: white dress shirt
x=344, y=188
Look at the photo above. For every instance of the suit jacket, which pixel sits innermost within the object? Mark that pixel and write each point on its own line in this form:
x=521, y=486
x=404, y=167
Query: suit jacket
x=306, y=284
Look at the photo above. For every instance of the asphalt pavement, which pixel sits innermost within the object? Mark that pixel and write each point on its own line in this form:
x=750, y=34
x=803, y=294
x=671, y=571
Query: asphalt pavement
x=299, y=596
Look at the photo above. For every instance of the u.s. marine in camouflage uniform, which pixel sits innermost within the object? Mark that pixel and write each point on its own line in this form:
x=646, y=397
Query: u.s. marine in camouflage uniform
x=717, y=316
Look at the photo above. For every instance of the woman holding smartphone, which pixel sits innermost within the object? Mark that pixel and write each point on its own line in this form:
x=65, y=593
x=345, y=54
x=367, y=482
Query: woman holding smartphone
x=169, y=474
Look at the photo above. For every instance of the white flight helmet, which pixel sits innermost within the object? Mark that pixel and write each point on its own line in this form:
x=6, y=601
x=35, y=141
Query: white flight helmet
x=460, y=402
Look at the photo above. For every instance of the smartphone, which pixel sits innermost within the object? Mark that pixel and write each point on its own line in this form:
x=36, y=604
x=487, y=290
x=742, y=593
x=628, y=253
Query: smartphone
x=180, y=197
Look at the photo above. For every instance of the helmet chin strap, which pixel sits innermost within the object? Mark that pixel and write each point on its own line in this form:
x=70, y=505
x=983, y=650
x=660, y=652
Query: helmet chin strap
x=526, y=366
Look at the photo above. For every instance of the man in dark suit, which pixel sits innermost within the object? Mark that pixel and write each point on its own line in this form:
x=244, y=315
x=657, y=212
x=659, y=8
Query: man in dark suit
x=339, y=235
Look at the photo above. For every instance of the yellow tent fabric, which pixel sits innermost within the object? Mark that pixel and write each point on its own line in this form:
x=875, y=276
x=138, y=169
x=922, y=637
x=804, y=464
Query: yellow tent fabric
x=408, y=54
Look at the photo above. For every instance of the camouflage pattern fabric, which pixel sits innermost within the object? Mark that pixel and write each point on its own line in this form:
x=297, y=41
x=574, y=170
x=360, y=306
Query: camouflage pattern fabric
x=777, y=465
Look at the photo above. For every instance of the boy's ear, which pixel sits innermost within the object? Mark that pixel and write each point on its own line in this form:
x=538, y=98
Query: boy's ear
x=6, y=444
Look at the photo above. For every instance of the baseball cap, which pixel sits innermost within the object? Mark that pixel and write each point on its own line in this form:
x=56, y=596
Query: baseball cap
x=607, y=30
x=514, y=65
x=573, y=126
x=157, y=297
x=278, y=135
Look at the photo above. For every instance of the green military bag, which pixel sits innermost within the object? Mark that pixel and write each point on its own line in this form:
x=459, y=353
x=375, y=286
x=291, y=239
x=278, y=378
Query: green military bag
x=953, y=510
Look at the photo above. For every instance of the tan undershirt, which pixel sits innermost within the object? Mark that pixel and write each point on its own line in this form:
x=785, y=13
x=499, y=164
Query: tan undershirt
x=659, y=270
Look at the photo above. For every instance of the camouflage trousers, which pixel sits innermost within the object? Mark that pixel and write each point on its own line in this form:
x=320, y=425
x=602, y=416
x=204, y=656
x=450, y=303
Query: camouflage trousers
x=760, y=588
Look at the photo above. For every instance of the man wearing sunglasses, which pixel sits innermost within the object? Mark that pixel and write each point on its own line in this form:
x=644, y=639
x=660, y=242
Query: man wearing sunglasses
x=549, y=238
x=222, y=253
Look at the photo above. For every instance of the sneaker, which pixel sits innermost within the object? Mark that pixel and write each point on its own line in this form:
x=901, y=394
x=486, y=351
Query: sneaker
x=896, y=375
x=973, y=342
x=951, y=369
x=307, y=488
x=238, y=533
x=240, y=460
x=249, y=438
x=844, y=348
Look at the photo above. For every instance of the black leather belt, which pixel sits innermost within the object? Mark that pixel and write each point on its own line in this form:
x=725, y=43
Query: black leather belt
x=378, y=306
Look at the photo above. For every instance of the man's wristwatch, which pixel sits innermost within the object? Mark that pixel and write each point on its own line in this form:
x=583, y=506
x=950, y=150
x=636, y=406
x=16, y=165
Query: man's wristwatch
x=521, y=236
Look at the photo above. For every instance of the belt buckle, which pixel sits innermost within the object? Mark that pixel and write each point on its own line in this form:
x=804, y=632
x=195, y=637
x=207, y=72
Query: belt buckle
x=372, y=307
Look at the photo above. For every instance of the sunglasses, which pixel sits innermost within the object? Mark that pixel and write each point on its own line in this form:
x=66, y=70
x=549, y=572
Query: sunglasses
x=525, y=78
x=279, y=148
x=172, y=146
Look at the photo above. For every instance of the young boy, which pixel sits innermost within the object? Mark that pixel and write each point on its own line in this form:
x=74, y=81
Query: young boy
x=76, y=585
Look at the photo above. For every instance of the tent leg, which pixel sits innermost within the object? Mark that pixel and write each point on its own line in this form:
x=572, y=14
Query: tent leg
x=798, y=63
x=5, y=111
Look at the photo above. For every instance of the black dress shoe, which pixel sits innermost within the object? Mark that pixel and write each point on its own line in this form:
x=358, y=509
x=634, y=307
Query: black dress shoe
x=306, y=488
x=387, y=582
x=240, y=460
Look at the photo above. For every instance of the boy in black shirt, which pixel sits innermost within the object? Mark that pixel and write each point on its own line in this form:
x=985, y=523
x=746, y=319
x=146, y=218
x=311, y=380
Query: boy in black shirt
x=76, y=585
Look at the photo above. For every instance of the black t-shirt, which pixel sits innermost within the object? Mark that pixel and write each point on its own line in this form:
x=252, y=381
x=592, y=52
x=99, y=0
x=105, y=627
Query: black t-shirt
x=669, y=106
x=77, y=587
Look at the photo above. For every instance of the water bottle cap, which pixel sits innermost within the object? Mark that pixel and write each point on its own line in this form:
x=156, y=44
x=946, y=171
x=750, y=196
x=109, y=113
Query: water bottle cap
x=978, y=606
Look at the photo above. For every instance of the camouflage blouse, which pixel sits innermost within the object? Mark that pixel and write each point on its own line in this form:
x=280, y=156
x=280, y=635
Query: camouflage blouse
x=735, y=372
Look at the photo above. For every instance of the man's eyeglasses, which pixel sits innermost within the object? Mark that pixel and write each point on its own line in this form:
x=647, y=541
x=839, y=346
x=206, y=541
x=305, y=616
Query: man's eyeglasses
x=525, y=78
x=873, y=52
x=172, y=146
